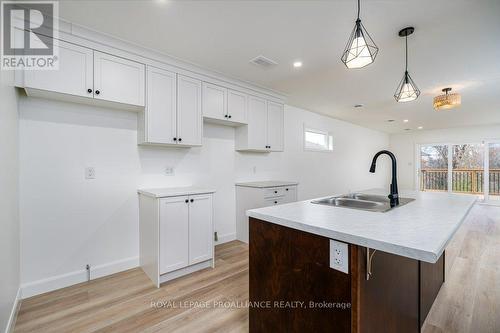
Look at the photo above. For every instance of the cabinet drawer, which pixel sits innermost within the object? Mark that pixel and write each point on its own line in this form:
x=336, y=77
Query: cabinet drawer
x=274, y=201
x=274, y=192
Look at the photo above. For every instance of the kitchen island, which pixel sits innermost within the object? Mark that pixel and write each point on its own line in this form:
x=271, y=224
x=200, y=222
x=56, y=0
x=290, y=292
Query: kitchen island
x=394, y=264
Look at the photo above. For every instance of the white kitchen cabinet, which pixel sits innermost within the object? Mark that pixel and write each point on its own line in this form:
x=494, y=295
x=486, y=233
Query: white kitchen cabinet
x=200, y=228
x=158, y=124
x=189, y=117
x=214, y=101
x=118, y=80
x=176, y=232
x=253, y=195
x=170, y=118
x=224, y=106
x=89, y=77
x=264, y=132
x=237, y=106
x=275, y=126
x=74, y=76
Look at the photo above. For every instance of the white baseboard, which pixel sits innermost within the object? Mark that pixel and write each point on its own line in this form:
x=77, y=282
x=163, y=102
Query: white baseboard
x=13, y=313
x=226, y=238
x=65, y=280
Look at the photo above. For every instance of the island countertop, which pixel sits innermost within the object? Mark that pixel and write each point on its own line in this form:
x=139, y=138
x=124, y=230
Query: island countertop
x=419, y=230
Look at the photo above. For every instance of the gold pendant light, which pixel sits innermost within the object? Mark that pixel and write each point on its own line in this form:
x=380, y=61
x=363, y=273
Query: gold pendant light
x=447, y=101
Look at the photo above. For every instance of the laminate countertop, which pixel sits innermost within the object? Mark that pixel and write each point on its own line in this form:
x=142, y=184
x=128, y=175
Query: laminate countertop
x=419, y=230
x=173, y=191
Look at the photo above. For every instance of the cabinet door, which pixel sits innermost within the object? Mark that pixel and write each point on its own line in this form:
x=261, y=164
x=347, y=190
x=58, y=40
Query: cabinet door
x=290, y=194
x=275, y=126
x=118, y=80
x=174, y=233
x=200, y=228
x=257, y=123
x=237, y=106
x=214, y=101
x=161, y=106
x=74, y=76
x=189, y=117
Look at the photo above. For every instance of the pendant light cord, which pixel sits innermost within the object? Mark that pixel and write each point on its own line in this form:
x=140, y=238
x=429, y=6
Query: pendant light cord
x=406, y=41
x=358, y=9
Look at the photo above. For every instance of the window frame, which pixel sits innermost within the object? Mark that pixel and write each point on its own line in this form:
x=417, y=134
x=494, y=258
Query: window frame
x=326, y=133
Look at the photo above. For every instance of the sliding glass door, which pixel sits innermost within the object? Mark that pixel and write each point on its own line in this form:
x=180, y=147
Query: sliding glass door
x=434, y=168
x=468, y=168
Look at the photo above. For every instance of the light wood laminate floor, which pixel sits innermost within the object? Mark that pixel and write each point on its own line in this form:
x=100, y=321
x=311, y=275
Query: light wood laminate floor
x=212, y=300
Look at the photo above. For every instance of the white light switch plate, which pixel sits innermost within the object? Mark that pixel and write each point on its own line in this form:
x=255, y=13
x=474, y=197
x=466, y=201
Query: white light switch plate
x=339, y=256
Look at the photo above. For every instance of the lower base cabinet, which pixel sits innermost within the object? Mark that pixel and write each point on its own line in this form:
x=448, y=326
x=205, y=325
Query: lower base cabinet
x=176, y=234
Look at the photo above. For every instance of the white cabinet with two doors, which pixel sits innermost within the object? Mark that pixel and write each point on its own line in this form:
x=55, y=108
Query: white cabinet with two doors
x=253, y=195
x=176, y=232
x=224, y=105
x=173, y=110
x=86, y=75
x=265, y=129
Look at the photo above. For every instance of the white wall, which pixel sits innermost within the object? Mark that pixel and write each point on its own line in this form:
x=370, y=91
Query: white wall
x=403, y=146
x=67, y=221
x=9, y=216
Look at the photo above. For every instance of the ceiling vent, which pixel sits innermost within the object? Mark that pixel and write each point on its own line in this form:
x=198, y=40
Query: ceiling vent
x=263, y=62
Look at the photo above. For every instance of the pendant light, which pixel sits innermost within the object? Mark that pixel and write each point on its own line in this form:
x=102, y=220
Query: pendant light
x=447, y=101
x=360, y=50
x=407, y=89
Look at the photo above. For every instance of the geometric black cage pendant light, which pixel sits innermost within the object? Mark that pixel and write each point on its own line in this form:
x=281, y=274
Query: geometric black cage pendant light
x=407, y=89
x=360, y=50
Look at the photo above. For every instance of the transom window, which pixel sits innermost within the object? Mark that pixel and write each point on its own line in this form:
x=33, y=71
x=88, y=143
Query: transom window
x=317, y=140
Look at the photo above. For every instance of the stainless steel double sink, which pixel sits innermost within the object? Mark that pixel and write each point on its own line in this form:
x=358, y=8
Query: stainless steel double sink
x=361, y=201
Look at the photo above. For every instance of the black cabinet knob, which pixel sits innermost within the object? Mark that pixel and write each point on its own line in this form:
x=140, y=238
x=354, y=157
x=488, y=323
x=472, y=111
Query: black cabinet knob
x=89, y=91
x=275, y=191
x=187, y=201
x=180, y=139
x=97, y=92
x=276, y=202
x=287, y=189
x=229, y=116
x=175, y=139
x=225, y=115
x=191, y=200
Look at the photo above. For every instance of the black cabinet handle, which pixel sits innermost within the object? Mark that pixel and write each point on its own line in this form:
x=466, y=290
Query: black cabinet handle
x=89, y=91
x=180, y=139
x=229, y=116
x=276, y=202
x=287, y=189
x=175, y=139
x=97, y=92
x=275, y=191
x=187, y=201
x=225, y=115
x=191, y=200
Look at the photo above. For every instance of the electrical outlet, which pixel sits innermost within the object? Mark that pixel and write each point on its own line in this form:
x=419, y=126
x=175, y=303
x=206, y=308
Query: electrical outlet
x=339, y=256
x=89, y=173
x=169, y=171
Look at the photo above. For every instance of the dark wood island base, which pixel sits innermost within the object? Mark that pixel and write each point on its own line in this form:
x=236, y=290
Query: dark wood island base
x=293, y=288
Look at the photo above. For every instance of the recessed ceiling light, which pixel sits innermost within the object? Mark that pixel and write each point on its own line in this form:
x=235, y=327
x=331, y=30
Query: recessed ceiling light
x=420, y=127
x=297, y=64
x=405, y=121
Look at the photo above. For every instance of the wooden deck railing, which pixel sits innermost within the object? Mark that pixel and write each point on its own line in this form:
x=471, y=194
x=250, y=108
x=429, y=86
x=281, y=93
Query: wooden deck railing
x=463, y=180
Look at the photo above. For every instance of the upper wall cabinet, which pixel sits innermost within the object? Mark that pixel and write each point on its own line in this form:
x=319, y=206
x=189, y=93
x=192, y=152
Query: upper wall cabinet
x=223, y=105
x=173, y=110
x=118, y=80
x=89, y=76
x=74, y=76
x=265, y=129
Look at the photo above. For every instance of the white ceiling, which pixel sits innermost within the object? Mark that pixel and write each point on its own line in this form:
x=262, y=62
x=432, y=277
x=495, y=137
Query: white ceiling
x=456, y=43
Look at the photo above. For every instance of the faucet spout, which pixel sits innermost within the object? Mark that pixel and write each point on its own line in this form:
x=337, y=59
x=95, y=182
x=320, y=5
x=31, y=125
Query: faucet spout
x=393, y=196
